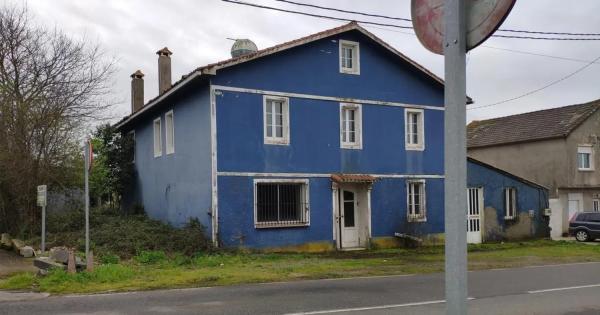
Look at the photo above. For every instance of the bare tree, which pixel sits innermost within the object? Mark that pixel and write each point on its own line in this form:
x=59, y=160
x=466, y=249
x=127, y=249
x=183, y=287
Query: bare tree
x=51, y=86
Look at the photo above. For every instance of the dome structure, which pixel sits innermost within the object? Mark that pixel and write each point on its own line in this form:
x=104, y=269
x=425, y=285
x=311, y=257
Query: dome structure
x=243, y=47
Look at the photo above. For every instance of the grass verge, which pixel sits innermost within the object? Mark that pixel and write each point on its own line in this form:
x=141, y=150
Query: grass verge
x=153, y=270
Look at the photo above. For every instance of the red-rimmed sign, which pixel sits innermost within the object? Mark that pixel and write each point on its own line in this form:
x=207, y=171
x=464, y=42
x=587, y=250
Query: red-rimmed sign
x=483, y=19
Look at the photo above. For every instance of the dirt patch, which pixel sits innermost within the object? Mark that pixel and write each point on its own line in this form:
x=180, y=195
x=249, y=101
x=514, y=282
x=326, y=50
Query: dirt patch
x=11, y=262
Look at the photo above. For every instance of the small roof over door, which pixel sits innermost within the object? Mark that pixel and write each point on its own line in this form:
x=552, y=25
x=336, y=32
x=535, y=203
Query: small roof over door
x=352, y=178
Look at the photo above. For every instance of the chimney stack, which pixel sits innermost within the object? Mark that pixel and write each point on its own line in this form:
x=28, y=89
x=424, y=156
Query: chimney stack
x=137, y=91
x=164, y=69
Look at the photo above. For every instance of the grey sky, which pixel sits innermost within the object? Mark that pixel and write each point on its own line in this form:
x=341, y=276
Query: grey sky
x=196, y=32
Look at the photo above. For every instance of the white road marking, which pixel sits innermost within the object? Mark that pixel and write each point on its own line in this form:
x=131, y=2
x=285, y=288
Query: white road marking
x=367, y=308
x=565, y=288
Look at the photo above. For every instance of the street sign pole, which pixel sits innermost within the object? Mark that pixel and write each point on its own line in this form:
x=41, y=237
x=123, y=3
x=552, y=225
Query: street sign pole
x=87, y=197
x=42, y=196
x=455, y=156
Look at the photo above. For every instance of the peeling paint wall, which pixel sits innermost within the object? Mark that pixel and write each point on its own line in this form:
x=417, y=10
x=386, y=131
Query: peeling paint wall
x=529, y=197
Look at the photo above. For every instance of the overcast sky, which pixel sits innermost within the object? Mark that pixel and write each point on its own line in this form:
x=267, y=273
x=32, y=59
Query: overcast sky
x=196, y=32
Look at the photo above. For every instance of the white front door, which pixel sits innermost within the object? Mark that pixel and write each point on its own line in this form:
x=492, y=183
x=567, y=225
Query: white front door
x=349, y=219
x=474, y=211
x=575, y=204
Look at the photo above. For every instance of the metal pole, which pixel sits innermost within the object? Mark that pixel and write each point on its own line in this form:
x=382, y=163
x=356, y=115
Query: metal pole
x=43, y=247
x=87, y=199
x=455, y=157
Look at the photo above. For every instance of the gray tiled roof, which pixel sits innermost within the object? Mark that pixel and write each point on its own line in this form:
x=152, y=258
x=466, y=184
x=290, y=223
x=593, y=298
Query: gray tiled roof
x=543, y=124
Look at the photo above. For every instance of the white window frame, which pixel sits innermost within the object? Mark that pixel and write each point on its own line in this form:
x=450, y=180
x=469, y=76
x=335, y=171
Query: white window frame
x=305, y=191
x=157, y=136
x=169, y=133
x=596, y=205
x=357, y=125
x=355, y=57
x=420, y=146
x=411, y=214
x=510, y=193
x=585, y=149
x=285, y=111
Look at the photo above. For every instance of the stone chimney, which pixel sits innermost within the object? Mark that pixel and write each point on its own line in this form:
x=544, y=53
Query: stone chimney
x=137, y=91
x=164, y=69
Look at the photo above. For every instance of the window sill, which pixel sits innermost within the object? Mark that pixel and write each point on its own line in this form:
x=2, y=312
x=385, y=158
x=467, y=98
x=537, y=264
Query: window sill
x=277, y=142
x=509, y=218
x=351, y=146
x=585, y=169
x=414, y=148
x=276, y=225
x=349, y=71
x=417, y=219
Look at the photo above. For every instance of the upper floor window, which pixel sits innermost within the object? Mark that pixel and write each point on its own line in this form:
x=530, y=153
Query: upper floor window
x=596, y=205
x=414, y=129
x=349, y=57
x=510, y=203
x=170, y=132
x=276, y=120
x=157, y=137
x=281, y=203
x=415, y=195
x=350, y=126
x=585, y=158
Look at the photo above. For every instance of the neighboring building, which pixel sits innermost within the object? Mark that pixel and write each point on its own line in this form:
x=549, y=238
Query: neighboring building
x=556, y=148
x=502, y=206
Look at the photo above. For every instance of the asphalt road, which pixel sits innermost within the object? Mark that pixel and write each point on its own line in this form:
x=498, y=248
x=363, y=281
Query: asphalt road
x=559, y=289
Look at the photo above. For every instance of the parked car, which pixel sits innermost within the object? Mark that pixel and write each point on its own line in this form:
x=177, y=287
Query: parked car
x=585, y=226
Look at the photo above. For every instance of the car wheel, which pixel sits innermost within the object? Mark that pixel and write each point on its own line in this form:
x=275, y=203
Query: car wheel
x=582, y=236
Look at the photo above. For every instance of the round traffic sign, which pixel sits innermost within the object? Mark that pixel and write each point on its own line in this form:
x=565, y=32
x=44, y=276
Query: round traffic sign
x=483, y=17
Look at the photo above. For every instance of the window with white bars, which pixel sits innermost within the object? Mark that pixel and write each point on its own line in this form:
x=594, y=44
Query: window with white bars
x=585, y=158
x=281, y=203
x=510, y=203
x=349, y=57
x=414, y=129
x=596, y=205
x=157, y=137
x=170, y=132
x=276, y=120
x=350, y=126
x=415, y=195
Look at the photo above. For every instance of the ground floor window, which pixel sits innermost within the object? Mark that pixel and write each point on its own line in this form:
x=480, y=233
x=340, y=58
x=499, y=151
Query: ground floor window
x=510, y=203
x=281, y=203
x=596, y=205
x=415, y=195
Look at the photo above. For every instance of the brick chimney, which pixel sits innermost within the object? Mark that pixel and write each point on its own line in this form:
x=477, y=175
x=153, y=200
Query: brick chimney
x=137, y=91
x=164, y=69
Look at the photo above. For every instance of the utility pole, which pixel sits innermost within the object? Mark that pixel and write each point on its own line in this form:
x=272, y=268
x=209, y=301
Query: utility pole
x=87, y=158
x=455, y=156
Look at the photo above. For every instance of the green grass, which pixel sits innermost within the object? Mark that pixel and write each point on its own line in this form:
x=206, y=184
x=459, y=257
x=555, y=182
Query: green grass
x=152, y=270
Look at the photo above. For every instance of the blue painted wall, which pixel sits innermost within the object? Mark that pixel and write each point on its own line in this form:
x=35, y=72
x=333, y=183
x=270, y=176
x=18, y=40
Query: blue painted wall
x=529, y=197
x=176, y=187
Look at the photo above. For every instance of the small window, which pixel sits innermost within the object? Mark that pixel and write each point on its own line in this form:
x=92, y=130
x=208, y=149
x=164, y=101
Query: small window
x=596, y=205
x=157, y=138
x=414, y=129
x=276, y=120
x=281, y=203
x=349, y=57
x=416, y=201
x=170, y=132
x=350, y=126
x=585, y=158
x=510, y=203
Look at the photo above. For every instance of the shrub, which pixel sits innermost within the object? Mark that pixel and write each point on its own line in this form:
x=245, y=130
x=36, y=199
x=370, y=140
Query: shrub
x=150, y=257
x=109, y=258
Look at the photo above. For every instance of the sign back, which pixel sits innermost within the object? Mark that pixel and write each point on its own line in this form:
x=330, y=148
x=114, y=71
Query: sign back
x=483, y=19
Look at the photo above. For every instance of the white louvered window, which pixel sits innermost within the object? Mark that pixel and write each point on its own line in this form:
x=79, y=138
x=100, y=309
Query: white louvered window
x=276, y=120
x=415, y=195
x=349, y=57
x=350, y=126
x=414, y=129
x=157, y=137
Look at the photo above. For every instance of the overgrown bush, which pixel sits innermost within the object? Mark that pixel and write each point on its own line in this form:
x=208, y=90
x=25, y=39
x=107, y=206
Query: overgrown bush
x=114, y=233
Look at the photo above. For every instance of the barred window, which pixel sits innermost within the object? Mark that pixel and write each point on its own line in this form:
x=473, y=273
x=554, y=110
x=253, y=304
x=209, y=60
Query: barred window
x=280, y=204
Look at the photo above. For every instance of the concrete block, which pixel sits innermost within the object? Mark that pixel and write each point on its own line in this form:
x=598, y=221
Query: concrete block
x=46, y=263
x=17, y=244
x=26, y=251
x=59, y=254
x=5, y=241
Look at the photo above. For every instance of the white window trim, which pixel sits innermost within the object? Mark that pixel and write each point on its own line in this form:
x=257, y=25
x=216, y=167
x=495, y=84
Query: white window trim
x=157, y=145
x=285, y=140
x=416, y=217
x=596, y=205
x=358, y=124
x=591, y=153
x=355, y=63
x=170, y=149
x=513, y=193
x=276, y=225
x=421, y=128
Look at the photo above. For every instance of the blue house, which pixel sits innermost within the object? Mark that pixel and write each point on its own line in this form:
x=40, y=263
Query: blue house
x=502, y=206
x=334, y=140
